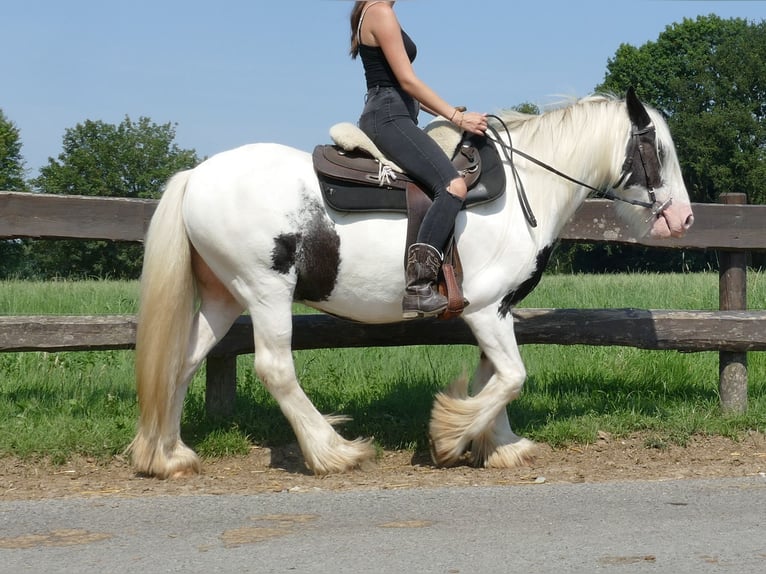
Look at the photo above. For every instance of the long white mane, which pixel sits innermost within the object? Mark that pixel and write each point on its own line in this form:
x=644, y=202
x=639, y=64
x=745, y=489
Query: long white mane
x=569, y=118
x=557, y=127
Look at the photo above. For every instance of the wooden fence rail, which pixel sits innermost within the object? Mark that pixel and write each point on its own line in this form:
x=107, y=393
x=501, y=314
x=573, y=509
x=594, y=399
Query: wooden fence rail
x=659, y=329
x=733, y=229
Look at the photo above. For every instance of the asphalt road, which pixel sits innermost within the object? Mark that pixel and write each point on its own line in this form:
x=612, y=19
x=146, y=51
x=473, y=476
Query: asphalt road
x=692, y=526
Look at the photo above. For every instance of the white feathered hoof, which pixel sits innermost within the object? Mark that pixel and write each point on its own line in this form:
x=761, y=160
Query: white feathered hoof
x=451, y=418
x=345, y=455
x=516, y=453
x=151, y=458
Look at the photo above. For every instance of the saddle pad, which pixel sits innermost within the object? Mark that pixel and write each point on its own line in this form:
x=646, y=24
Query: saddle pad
x=343, y=192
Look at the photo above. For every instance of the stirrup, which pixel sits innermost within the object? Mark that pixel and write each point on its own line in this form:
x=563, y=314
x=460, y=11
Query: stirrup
x=416, y=312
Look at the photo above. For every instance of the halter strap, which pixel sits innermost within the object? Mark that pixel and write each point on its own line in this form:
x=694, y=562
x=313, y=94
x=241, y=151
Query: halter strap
x=361, y=18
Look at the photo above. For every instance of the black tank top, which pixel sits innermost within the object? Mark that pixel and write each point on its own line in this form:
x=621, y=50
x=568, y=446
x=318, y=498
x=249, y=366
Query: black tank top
x=376, y=68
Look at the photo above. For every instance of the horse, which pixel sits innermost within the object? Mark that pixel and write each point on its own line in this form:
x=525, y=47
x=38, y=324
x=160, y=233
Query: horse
x=248, y=230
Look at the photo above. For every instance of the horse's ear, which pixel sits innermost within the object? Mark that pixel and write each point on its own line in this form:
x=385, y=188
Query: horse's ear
x=636, y=110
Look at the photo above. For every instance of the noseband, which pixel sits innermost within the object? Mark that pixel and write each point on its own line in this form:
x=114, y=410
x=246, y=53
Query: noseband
x=641, y=146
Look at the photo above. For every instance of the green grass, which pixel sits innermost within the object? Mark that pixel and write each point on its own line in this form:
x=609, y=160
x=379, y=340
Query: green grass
x=63, y=404
x=68, y=297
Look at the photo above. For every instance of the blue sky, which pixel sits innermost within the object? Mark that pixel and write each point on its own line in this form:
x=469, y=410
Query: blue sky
x=232, y=72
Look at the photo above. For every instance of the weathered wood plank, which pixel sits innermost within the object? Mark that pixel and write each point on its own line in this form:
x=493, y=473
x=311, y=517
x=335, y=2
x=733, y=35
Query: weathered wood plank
x=732, y=227
x=73, y=216
x=732, y=294
x=67, y=333
x=646, y=329
x=220, y=385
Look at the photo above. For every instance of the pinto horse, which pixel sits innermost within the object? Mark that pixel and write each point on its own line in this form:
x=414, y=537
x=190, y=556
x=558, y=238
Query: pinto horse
x=248, y=229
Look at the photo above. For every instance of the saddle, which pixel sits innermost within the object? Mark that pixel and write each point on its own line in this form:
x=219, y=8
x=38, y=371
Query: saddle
x=354, y=176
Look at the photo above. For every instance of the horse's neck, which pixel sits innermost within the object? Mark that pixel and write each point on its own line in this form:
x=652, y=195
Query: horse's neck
x=585, y=146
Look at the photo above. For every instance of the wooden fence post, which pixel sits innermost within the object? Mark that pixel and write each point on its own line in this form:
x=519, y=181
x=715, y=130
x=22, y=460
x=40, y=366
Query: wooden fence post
x=220, y=385
x=732, y=290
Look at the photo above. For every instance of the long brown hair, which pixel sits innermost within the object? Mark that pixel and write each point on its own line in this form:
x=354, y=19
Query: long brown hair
x=356, y=15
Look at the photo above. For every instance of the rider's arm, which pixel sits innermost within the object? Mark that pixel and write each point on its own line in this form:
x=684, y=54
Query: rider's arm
x=387, y=32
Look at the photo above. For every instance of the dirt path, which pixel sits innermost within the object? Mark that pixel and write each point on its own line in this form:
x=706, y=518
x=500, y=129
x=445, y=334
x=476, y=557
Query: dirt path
x=277, y=470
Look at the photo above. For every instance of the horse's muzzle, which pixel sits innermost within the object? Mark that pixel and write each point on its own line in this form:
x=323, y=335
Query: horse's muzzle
x=674, y=220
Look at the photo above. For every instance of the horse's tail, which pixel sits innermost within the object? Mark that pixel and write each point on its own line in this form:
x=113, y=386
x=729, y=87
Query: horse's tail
x=164, y=324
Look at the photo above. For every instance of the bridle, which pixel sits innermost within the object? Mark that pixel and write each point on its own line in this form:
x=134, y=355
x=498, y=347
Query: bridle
x=640, y=140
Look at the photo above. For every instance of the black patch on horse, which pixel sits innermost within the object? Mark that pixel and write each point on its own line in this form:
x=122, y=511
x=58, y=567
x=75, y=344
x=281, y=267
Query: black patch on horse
x=283, y=254
x=314, y=253
x=517, y=295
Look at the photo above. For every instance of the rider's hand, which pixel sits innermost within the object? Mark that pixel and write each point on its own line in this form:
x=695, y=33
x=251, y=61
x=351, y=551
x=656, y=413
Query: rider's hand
x=472, y=122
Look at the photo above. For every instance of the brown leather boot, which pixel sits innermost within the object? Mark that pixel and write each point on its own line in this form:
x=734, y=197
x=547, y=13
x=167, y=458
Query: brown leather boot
x=421, y=297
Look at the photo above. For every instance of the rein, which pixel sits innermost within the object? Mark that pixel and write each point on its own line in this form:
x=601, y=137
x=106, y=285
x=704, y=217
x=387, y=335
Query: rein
x=509, y=150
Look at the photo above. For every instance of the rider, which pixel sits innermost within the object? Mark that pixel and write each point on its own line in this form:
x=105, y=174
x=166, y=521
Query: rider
x=394, y=96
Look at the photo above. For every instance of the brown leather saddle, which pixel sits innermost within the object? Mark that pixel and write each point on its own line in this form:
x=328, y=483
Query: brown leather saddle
x=354, y=181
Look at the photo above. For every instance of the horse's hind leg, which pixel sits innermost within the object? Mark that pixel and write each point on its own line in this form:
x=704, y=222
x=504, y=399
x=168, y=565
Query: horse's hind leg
x=481, y=421
x=211, y=323
x=324, y=450
x=164, y=454
x=217, y=312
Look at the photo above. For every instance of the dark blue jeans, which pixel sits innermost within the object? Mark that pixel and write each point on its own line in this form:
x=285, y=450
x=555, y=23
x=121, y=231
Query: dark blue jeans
x=390, y=119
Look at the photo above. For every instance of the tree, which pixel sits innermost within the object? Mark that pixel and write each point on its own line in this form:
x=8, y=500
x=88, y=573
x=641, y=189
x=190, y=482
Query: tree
x=527, y=108
x=11, y=161
x=132, y=159
x=11, y=179
x=708, y=77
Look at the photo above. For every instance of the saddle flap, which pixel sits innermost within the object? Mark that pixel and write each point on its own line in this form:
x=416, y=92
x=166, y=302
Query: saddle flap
x=356, y=166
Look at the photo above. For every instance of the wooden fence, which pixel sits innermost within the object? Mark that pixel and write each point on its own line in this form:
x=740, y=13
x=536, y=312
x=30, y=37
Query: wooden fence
x=732, y=228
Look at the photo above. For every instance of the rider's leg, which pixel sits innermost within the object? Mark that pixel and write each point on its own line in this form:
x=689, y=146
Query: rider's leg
x=390, y=120
x=424, y=258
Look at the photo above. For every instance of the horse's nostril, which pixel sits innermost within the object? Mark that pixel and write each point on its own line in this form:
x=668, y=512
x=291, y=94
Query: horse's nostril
x=689, y=222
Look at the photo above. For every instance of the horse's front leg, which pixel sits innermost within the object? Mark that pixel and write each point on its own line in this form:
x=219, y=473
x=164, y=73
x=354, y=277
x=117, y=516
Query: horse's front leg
x=481, y=421
x=498, y=446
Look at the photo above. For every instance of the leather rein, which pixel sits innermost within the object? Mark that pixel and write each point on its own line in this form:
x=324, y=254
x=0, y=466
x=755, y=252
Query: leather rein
x=636, y=144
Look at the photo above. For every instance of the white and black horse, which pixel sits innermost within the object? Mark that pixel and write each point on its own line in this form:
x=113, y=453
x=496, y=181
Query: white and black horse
x=248, y=229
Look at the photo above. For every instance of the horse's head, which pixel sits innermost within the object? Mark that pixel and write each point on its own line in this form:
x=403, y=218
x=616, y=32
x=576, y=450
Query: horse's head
x=657, y=203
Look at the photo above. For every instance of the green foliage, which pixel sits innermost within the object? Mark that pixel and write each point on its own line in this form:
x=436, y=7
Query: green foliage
x=12, y=258
x=79, y=259
x=132, y=159
x=11, y=179
x=11, y=160
x=617, y=258
x=708, y=76
x=527, y=108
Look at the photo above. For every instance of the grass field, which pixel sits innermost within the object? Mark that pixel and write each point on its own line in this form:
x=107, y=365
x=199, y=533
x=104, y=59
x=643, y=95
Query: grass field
x=61, y=404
